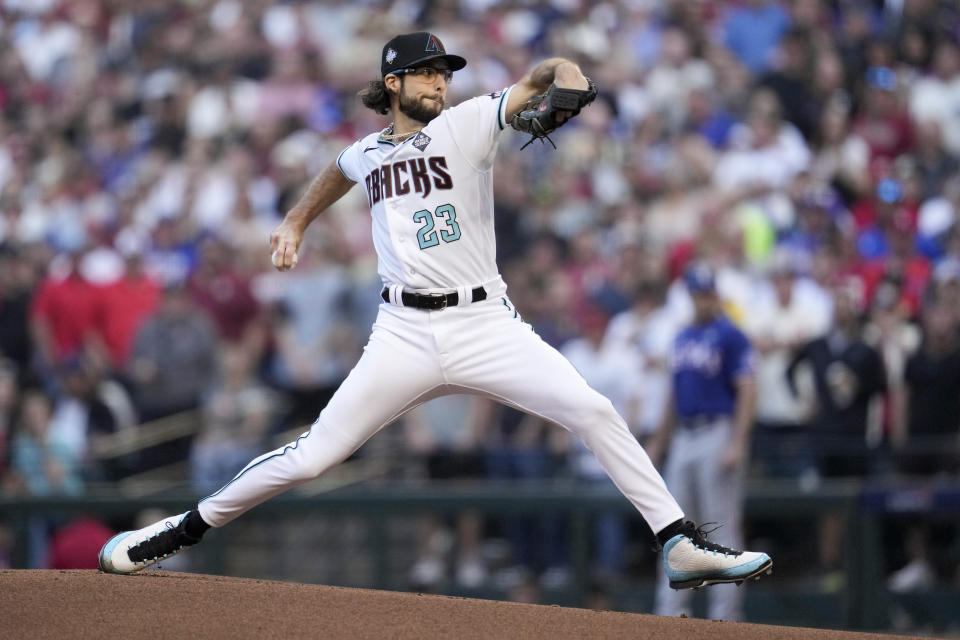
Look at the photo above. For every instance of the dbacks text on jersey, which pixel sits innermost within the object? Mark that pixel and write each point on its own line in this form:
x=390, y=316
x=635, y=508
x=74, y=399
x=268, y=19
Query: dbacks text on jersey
x=399, y=178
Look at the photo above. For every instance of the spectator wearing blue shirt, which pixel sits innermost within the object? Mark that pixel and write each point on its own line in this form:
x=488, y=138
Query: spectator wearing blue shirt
x=753, y=31
x=706, y=427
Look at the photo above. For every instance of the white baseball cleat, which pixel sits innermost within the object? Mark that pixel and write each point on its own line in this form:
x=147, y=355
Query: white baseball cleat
x=691, y=561
x=132, y=551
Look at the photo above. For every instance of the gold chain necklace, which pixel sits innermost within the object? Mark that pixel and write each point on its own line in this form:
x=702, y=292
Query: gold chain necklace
x=390, y=135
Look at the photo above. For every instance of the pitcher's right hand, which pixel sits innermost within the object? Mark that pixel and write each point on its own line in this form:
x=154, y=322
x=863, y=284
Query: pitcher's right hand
x=284, y=243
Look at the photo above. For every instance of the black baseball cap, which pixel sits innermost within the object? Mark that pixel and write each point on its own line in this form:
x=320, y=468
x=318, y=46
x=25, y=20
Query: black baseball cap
x=410, y=49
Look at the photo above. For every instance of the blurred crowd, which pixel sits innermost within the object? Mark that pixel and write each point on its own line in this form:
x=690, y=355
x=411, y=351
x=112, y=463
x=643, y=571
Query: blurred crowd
x=809, y=150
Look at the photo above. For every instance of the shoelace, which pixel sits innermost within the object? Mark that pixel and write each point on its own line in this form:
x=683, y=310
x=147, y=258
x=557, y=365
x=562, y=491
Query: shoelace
x=699, y=537
x=162, y=544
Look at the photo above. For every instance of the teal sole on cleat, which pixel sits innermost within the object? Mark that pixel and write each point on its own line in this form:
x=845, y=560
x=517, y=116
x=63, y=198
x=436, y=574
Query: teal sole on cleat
x=705, y=581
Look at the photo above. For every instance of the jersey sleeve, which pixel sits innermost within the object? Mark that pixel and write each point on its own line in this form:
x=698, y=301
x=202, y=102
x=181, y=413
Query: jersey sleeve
x=349, y=162
x=672, y=350
x=477, y=124
x=739, y=355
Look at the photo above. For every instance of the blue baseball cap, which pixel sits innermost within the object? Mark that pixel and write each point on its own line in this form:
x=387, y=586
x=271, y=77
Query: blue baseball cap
x=882, y=78
x=699, y=278
x=889, y=190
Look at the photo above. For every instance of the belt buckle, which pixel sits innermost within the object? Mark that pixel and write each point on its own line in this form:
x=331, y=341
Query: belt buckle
x=441, y=299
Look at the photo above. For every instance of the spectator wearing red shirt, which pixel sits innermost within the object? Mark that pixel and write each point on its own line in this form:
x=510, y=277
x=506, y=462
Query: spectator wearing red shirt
x=63, y=312
x=123, y=306
x=889, y=201
x=75, y=546
x=884, y=123
x=218, y=288
x=887, y=246
x=901, y=274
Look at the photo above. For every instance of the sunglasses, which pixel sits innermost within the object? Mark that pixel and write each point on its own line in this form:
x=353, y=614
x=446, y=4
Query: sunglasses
x=427, y=73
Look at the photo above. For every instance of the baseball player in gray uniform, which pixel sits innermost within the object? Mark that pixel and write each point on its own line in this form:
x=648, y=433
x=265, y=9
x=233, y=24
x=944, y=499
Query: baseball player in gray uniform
x=446, y=324
x=707, y=428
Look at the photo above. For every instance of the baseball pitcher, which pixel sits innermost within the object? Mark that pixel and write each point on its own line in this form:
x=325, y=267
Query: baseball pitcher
x=446, y=324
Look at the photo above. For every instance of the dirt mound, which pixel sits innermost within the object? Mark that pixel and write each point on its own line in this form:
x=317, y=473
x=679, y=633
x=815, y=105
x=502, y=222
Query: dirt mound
x=159, y=604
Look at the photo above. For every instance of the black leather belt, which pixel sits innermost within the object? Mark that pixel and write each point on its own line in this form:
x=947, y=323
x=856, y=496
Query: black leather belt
x=434, y=301
x=700, y=420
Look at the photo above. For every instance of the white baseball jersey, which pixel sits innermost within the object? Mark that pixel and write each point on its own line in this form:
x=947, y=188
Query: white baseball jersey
x=431, y=196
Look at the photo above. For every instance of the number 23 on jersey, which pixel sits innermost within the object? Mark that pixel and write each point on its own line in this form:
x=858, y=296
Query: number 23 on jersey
x=428, y=236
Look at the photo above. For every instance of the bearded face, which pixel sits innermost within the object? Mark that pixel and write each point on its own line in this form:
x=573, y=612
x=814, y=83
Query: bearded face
x=420, y=108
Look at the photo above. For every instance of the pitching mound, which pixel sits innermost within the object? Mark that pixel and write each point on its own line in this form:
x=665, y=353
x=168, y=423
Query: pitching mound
x=158, y=604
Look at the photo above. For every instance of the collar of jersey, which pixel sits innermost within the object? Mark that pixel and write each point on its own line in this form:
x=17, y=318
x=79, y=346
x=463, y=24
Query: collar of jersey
x=394, y=144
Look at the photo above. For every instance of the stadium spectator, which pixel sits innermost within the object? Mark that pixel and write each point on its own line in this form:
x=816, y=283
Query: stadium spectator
x=63, y=312
x=925, y=440
x=75, y=545
x=790, y=80
x=586, y=270
x=883, y=122
x=675, y=75
x=124, y=305
x=935, y=96
x=753, y=30
x=646, y=331
x=88, y=409
x=849, y=382
x=545, y=288
x=9, y=396
x=45, y=462
x=892, y=266
x=929, y=421
x=828, y=82
x=174, y=357
x=842, y=158
x=315, y=340
x=764, y=156
x=17, y=282
x=891, y=332
x=933, y=163
x=219, y=288
x=171, y=256
x=708, y=117
x=237, y=416
x=778, y=326
x=887, y=210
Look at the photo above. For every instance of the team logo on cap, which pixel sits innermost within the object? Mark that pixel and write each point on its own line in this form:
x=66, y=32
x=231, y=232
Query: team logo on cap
x=421, y=141
x=391, y=55
x=433, y=45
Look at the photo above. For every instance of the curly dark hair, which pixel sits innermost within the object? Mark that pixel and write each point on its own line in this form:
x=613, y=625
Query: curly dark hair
x=376, y=96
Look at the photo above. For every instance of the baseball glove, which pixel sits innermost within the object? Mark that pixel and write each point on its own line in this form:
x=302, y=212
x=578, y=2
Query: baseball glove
x=538, y=116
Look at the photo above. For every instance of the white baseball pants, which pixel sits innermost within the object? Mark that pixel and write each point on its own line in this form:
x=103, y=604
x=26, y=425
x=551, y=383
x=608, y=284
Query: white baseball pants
x=415, y=355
